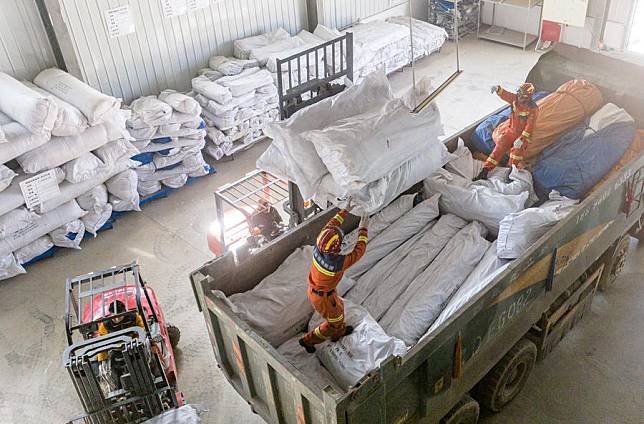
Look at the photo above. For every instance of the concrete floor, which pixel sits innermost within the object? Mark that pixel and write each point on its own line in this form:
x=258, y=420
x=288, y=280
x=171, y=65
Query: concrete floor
x=595, y=375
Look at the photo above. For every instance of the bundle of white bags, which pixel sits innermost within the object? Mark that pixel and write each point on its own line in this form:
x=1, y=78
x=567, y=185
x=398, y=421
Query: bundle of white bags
x=364, y=143
x=170, y=135
x=238, y=100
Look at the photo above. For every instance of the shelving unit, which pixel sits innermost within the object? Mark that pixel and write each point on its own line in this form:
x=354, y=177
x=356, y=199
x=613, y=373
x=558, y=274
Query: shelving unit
x=505, y=35
x=441, y=13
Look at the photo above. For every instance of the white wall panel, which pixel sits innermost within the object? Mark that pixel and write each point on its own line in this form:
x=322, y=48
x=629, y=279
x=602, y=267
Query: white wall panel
x=166, y=52
x=341, y=13
x=24, y=46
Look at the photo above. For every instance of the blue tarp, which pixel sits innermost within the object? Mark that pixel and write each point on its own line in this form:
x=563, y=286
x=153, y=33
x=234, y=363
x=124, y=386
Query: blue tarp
x=144, y=158
x=482, y=137
x=574, y=164
x=162, y=140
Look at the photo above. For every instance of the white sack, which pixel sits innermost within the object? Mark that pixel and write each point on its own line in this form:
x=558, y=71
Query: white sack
x=481, y=276
x=395, y=282
x=212, y=90
x=69, y=120
x=19, y=141
x=83, y=168
x=16, y=220
x=180, y=102
x=246, y=82
x=415, y=311
x=518, y=231
x=243, y=47
x=186, y=414
x=263, y=53
x=278, y=308
x=149, y=111
x=70, y=191
x=307, y=364
x=69, y=235
x=96, y=106
x=34, y=249
x=399, y=232
x=148, y=188
x=211, y=74
x=177, y=181
x=6, y=176
x=428, y=38
x=9, y=267
x=47, y=222
x=116, y=150
x=608, y=114
x=95, y=219
x=326, y=33
x=34, y=111
x=355, y=355
x=123, y=190
x=511, y=181
x=12, y=198
x=463, y=164
x=230, y=66
x=93, y=200
x=473, y=202
x=60, y=150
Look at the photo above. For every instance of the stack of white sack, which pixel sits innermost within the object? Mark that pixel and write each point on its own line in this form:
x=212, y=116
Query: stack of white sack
x=362, y=143
x=238, y=100
x=413, y=313
x=170, y=135
x=487, y=201
x=518, y=231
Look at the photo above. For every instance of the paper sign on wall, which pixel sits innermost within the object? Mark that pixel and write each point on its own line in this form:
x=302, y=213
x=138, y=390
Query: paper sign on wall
x=174, y=7
x=119, y=21
x=40, y=188
x=198, y=4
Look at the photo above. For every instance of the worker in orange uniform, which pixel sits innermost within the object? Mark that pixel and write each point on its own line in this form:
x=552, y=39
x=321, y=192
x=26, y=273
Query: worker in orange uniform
x=326, y=272
x=514, y=138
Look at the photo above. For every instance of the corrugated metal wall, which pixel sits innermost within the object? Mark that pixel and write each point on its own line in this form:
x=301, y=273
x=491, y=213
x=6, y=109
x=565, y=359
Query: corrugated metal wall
x=24, y=46
x=166, y=52
x=340, y=13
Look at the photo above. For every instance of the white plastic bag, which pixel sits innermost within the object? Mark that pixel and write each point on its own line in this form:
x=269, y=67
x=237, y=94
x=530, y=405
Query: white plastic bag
x=124, y=195
x=96, y=106
x=415, y=311
x=464, y=164
x=47, y=223
x=6, y=176
x=83, y=168
x=9, y=267
x=34, y=249
x=149, y=111
x=95, y=219
x=19, y=140
x=177, y=181
x=34, y=111
x=69, y=120
x=69, y=235
x=116, y=150
x=246, y=82
x=148, y=188
x=355, y=355
x=93, y=200
x=243, y=47
x=211, y=90
x=518, y=231
x=180, y=102
x=473, y=202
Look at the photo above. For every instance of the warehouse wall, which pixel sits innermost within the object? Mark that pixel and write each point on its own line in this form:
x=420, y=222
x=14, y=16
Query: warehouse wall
x=24, y=46
x=341, y=13
x=165, y=52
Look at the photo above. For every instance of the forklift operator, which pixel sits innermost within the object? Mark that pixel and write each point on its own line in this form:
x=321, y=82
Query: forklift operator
x=122, y=322
x=266, y=219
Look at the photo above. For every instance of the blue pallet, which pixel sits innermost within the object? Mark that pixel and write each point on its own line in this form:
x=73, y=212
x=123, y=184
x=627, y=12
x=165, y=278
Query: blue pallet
x=164, y=192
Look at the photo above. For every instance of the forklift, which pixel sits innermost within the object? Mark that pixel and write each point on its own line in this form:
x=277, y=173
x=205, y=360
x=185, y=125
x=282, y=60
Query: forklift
x=120, y=354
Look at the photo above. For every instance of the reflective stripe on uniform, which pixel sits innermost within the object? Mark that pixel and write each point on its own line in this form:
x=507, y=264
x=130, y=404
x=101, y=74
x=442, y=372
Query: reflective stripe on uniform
x=318, y=333
x=525, y=134
x=331, y=241
x=524, y=113
x=339, y=218
x=336, y=319
x=492, y=161
x=363, y=238
x=516, y=157
x=322, y=270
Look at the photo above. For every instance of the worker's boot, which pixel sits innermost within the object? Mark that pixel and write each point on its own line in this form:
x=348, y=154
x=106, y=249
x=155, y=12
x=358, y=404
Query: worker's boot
x=309, y=349
x=482, y=175
x=347, y=330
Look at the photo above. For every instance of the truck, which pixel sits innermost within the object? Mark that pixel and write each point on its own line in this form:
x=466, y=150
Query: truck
x=482, y=355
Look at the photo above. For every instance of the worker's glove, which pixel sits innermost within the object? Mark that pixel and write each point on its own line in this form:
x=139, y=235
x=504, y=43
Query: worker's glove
x=482, y=175
x=103, y=368
x=518, y=143
x=364, y=221
x=494, y=89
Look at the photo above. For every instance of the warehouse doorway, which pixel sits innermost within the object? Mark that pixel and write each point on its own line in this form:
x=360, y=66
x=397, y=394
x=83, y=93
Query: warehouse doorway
x=636, y=37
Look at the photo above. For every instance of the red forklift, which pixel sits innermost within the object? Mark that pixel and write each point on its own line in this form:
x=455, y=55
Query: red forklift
x=120, y=353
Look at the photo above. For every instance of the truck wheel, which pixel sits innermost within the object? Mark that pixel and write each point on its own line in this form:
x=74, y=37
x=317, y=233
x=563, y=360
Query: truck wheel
x=174, y=334
x=464, y=412
x=614, y=260
x=508, y=376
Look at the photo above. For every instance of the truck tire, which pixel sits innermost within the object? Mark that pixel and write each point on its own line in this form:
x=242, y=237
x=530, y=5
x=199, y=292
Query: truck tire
x=464, y=412
x=614, y=260
x=174, y=334
x=508, y=376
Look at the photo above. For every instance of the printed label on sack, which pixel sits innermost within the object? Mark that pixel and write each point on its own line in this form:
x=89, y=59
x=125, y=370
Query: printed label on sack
x=198, y=4
x=119, y=21
x=40, y=188
x=174, y=7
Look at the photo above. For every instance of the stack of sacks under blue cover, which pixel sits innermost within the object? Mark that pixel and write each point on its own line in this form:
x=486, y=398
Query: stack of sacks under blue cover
x=580, y=158
x=170, y=134
x=481, y=139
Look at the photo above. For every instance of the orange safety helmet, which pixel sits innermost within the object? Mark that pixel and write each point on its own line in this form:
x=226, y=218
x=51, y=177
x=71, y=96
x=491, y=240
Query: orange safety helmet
x=526, y=89
x=330, y=240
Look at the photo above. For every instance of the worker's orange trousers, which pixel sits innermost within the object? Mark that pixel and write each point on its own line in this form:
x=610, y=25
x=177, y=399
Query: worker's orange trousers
x=331, y=307
x=504, y=140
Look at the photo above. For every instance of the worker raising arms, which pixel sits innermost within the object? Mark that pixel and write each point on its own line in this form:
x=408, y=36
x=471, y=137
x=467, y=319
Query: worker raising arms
x=326, y=272
x=516, y=137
